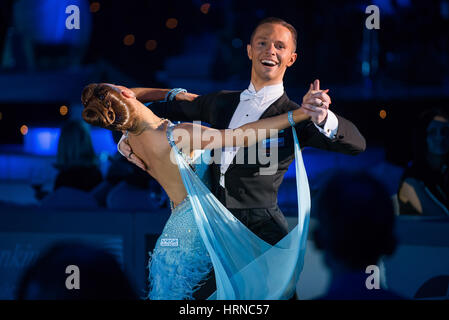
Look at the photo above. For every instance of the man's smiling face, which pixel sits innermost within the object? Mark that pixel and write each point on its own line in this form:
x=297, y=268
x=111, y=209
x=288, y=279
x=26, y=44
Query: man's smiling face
x=272, y=51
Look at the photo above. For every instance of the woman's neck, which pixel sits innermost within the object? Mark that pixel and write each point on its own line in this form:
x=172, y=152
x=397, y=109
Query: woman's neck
x=146, y=120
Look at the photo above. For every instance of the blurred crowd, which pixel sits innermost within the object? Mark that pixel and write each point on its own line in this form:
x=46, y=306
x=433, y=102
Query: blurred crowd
x=80, y=183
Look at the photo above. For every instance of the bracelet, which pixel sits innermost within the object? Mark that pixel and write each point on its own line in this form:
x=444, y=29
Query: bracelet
x=290, y=118
x=170, y=96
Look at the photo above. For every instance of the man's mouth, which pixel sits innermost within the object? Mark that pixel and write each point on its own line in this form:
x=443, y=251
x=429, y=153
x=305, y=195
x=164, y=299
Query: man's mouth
x=268, y=63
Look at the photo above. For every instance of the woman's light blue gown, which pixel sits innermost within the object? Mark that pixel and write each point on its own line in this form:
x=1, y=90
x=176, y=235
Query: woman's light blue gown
x=202, y=233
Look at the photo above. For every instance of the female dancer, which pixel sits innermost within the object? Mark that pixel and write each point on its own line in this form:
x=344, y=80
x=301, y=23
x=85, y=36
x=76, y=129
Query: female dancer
x=180, y=260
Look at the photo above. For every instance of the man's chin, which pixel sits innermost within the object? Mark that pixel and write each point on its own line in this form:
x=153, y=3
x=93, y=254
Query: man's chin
x=269, y=76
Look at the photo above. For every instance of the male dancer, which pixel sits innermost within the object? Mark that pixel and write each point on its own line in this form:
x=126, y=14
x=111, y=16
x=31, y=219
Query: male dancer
x=248, y=194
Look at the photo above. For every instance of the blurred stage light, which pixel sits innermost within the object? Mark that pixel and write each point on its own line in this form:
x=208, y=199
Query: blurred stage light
x=43, y=22
x=205, y=8
x=171, y=23
x=128, y=40
x=44, y=141
x=365, y=68
x=24, y=130
x=94, y=7
x=63, y=110
x=383, y=114
x=151, y=45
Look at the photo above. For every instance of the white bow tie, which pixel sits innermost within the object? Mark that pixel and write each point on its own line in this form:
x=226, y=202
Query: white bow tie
x=247, y=95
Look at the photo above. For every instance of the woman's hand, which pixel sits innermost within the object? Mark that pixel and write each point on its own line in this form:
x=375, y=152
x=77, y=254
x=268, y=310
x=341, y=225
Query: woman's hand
x=125, y=150
x=300, y=115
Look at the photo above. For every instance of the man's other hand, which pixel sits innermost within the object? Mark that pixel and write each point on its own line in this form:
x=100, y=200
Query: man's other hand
x=186, y=96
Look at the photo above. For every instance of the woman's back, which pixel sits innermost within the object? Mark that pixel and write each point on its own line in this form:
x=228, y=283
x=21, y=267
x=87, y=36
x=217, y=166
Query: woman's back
x=153, y=147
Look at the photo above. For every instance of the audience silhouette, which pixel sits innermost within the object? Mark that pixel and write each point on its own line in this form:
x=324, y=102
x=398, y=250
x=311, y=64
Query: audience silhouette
x=355, y=229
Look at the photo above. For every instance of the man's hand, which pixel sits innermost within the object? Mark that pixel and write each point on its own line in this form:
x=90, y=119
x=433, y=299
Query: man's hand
x=125, y=149
x=128, y=92
x=186, y=96
x=316, y=102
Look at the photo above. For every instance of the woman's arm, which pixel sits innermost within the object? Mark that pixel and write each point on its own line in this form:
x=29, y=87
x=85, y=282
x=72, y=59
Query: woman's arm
x=149, y=94
x=409, y=198
x=145, y=95
x=190, y=136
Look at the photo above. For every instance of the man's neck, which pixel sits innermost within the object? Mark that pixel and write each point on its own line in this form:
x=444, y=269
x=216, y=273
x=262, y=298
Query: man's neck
x=259, y=85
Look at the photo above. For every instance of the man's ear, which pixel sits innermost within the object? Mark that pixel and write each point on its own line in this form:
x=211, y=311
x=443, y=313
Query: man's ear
x=292, y=59
x=249, y=50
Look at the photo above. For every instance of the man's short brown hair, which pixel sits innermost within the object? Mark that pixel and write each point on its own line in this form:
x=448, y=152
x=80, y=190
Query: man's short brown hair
x=284, y=23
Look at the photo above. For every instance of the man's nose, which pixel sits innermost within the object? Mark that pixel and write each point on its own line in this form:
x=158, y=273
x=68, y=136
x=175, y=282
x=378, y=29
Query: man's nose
x=271, y=48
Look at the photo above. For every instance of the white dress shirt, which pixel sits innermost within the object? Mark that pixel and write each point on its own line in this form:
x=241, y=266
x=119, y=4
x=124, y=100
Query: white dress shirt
x=251, y=107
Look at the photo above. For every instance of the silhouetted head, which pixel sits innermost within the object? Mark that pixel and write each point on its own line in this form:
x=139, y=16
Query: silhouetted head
x=431, y=134
x=108, y=106
x=100, y=275
x=355, y=220
x=75, y=146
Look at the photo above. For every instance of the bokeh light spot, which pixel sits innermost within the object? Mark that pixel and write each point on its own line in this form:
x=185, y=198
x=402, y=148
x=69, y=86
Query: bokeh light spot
x=205, y=8
x=171, y=23
x=94, y=7
x=24, y=129
x=63, y=110
x=151, y=45
x=129, y=39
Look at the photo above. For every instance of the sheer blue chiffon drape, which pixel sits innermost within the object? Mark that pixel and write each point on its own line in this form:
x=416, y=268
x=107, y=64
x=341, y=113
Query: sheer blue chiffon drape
x=246, y=267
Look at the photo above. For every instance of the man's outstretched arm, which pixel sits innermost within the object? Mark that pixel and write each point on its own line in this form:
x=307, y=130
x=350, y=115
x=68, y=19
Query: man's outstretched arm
x=176, y=105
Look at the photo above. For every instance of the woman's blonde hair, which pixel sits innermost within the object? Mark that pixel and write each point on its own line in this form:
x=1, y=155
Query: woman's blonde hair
x=75, y=146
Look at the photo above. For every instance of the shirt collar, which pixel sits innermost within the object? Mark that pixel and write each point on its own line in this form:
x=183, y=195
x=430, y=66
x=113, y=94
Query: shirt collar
x=268, y=92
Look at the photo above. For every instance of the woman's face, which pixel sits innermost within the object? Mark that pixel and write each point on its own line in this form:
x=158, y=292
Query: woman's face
x=438, y=136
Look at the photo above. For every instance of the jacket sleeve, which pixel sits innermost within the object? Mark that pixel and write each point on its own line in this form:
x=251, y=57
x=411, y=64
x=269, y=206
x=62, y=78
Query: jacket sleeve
x=198, y=109
x=348, y=139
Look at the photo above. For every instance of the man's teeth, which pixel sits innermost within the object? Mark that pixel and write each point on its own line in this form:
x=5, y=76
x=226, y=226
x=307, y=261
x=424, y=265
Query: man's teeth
x=269, y=62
